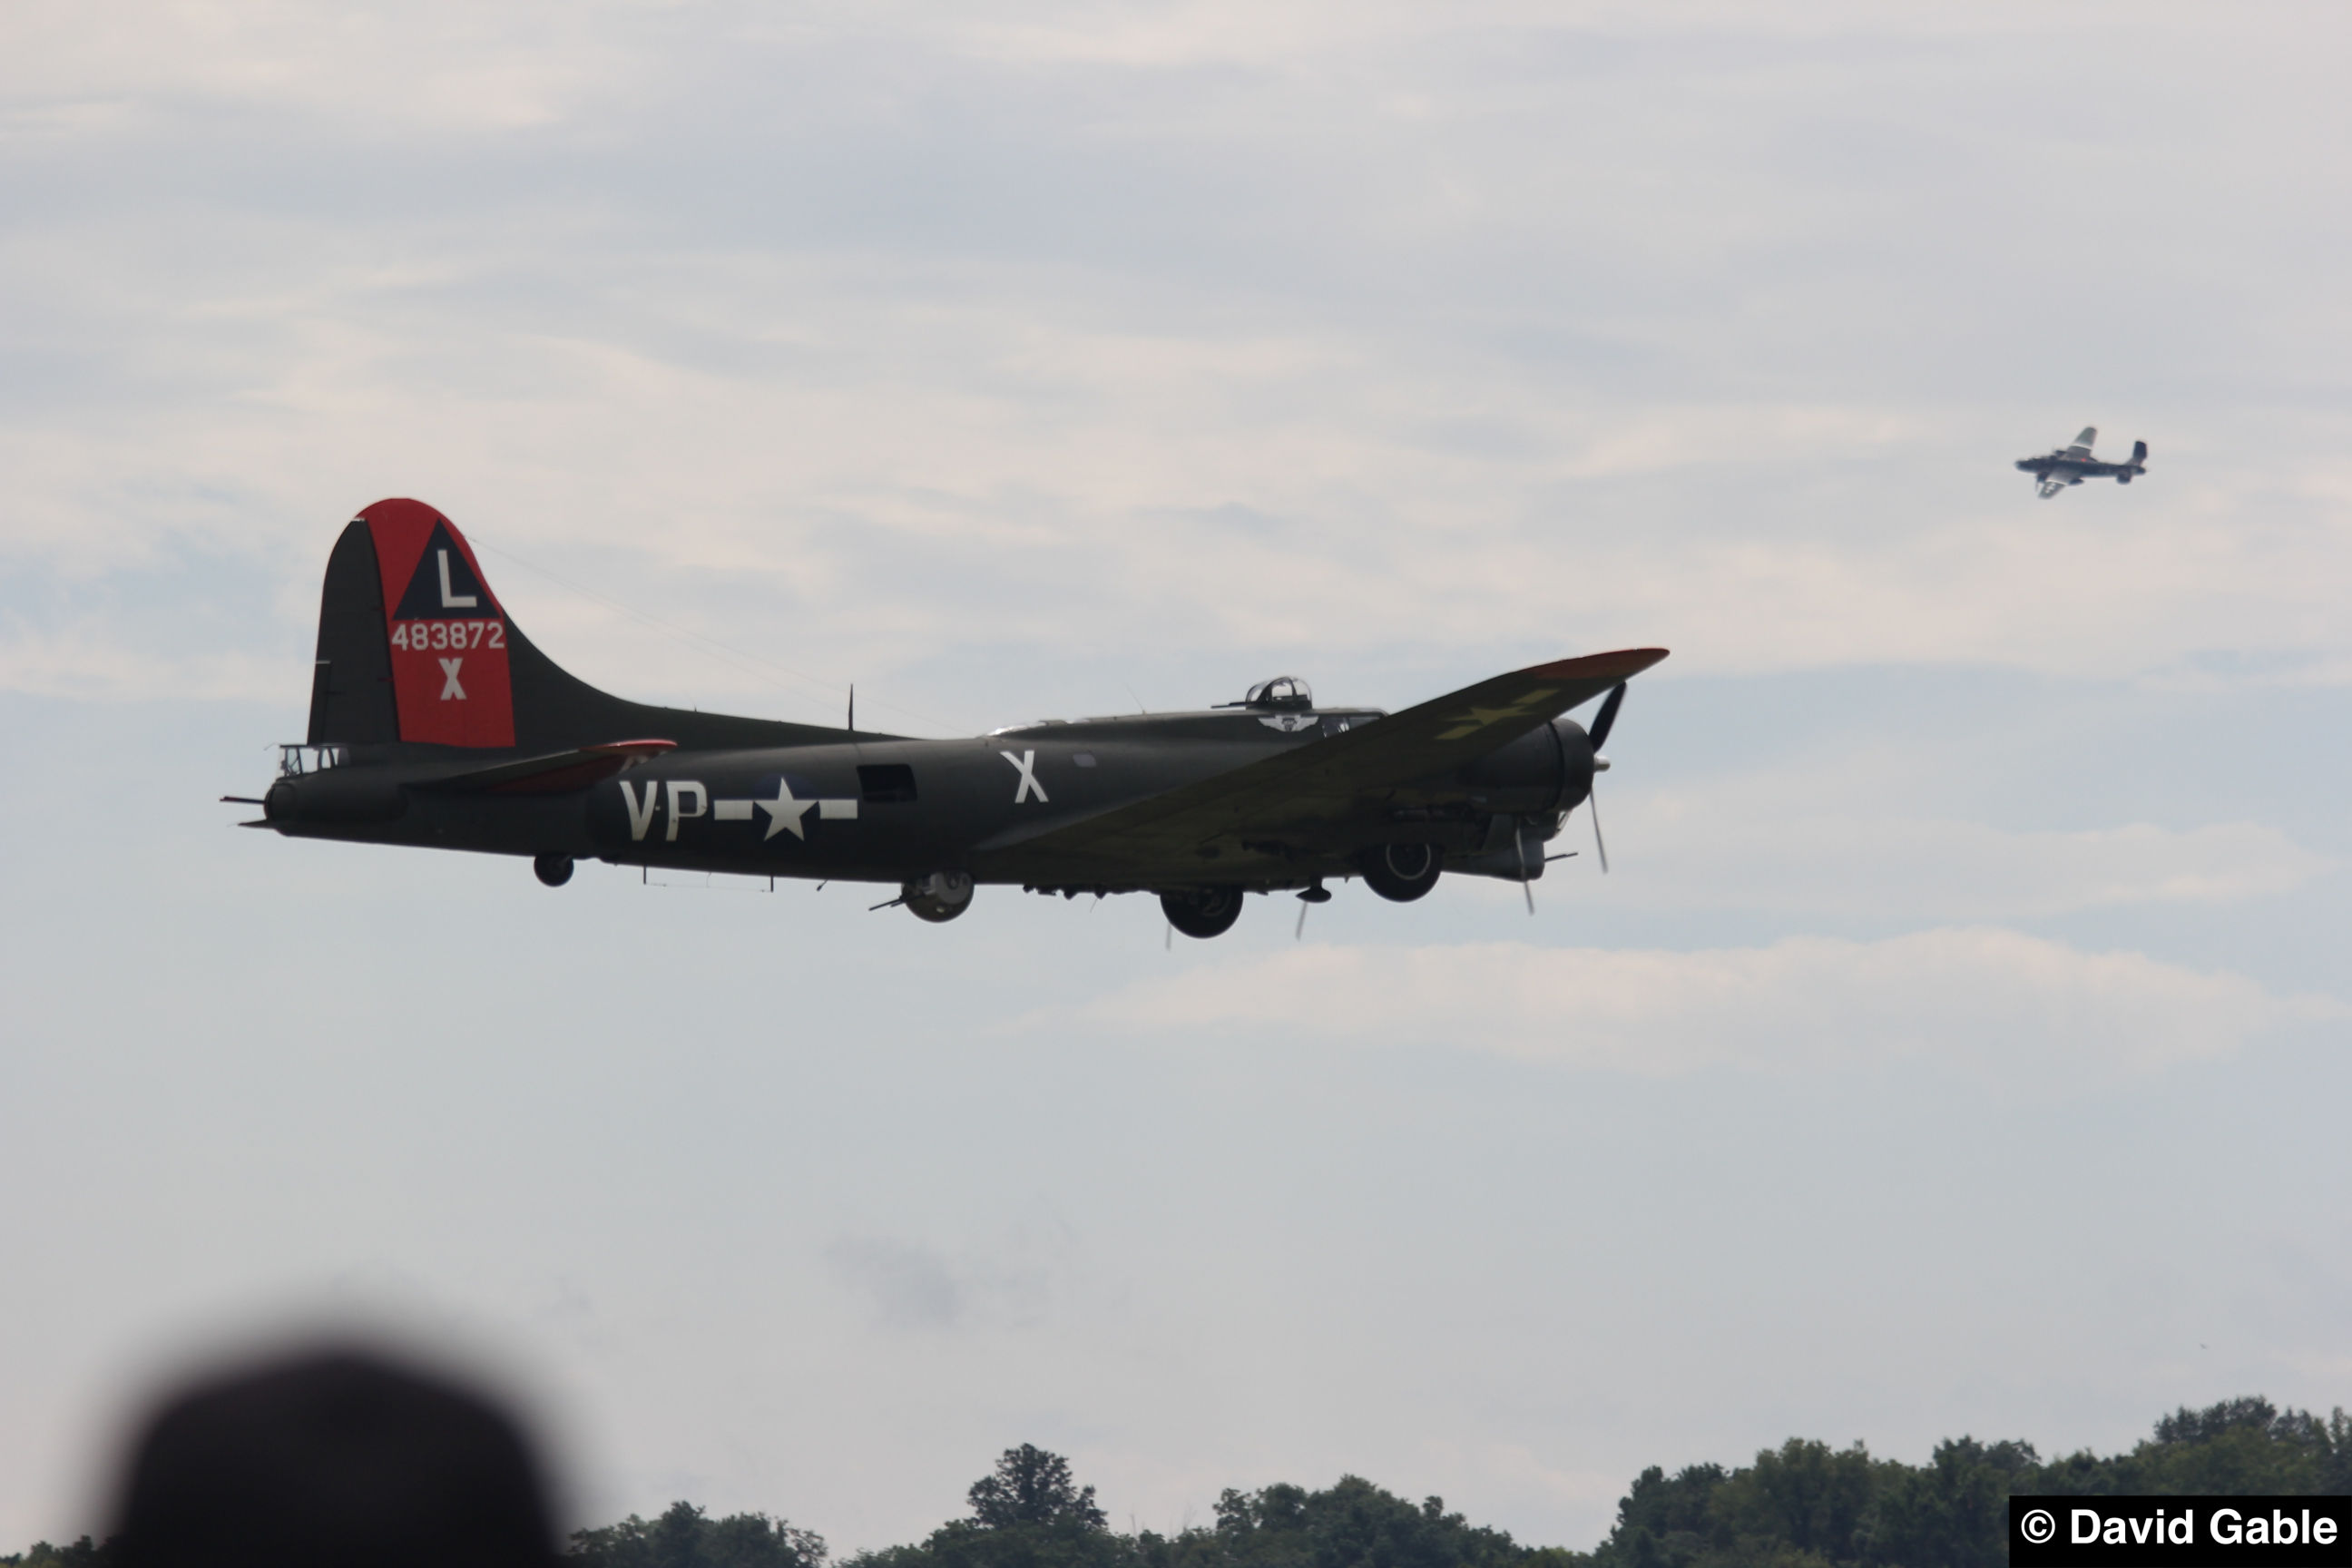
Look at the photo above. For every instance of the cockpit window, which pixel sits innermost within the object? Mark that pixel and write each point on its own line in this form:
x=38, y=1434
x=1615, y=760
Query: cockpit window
x=1282, y=692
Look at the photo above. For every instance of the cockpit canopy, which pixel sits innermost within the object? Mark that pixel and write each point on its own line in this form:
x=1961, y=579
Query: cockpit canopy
x=1282, y=692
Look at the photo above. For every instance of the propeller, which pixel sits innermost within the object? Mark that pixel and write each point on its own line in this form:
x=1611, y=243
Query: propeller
x=1593, y=804
x=1606, y=720
x=1602, y=723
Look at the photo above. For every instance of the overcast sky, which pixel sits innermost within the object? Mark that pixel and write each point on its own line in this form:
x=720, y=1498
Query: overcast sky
x=1958, y=1046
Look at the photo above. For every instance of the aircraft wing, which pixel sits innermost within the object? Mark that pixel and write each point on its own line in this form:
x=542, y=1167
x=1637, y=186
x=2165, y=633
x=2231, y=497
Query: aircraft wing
x=2085, y=442
x=1330, y=778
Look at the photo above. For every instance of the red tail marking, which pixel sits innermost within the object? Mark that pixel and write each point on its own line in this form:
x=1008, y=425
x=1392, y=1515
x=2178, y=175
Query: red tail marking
x=449, y=633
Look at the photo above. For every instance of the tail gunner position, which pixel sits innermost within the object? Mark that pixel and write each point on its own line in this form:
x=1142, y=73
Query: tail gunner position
x=434, y=722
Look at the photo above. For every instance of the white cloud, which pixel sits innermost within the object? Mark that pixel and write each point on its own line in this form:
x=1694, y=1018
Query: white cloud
x=1078, y=482
x=445, y=67
x=904, y=1287
x=96, y=658
x=1720, y=846
x=1517, y=370
x=1013, y=1283
x=1980, y=1001
x=1898, y=813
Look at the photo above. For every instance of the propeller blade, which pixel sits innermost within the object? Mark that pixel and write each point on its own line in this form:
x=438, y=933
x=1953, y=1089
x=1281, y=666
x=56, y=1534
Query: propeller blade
x=1519, y=837
x=1592, y=801
x=1606, y=719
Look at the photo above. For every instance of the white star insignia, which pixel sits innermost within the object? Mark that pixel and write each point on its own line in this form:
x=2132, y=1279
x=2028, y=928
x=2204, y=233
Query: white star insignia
x=784, y=813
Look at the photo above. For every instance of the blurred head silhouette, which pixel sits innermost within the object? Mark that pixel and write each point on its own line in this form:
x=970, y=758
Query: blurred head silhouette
x=332, y=1459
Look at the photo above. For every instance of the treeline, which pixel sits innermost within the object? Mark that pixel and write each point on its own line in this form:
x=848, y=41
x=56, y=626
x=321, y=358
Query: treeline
x=1801, y=1505
x=1806, y=1505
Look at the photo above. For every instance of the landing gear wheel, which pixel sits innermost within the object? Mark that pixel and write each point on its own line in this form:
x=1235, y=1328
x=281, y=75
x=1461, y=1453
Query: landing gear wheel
x=553, y=869
x=1203, y=912
x=1402, y=872
x=940, y=897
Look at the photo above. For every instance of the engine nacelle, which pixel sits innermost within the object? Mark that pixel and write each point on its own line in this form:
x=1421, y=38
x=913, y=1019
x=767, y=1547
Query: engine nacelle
x=1545, y=771
x=1515, y=849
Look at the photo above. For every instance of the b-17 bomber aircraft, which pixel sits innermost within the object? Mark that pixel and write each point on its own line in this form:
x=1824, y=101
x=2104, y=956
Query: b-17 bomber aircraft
x=2072, y=465
x=434, y=722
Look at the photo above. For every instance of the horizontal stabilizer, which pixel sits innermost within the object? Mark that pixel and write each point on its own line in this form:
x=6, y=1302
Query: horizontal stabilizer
x=558, y=772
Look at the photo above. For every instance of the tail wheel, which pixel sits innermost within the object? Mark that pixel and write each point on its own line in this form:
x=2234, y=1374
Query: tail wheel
x=940, y=897
x=1402, y=872
x=553, y=869
x=1203, y=912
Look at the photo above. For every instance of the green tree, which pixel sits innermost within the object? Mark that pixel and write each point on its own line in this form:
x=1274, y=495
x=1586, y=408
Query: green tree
x=1665, y=1521
x=1029, y=1512
x=82, y=1554
x=1805, y=1505
x=1801, y=1501
x=1353, y=1524
x=1953, y=1512
x=2245, y=1444
x=1030, y=1486
x=683, y=1537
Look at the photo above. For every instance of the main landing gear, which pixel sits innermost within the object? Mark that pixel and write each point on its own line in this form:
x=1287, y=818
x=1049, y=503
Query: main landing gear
x=1402, y=872
x=553, y=869
x=1203, y=912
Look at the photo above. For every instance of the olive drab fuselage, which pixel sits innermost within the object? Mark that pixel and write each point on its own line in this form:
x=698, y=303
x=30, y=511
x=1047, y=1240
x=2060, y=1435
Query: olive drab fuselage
x=888, y=810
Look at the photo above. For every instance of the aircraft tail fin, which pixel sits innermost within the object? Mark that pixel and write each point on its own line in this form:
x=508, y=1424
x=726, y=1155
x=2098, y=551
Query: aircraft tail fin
x=351, y=680
x=414, y=648
x=2140, y=451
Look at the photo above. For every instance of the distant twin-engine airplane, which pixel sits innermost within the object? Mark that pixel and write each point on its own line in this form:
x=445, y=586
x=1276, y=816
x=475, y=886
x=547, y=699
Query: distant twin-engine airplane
x=434, y=722
x=2072, y=465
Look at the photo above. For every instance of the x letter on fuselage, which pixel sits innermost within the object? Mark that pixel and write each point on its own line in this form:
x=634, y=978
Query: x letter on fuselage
x=1027, y=764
